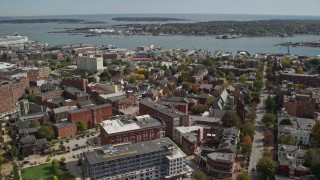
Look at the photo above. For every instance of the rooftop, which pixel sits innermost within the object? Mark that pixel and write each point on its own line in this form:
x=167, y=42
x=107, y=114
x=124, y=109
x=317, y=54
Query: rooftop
x=161, y=108
x=108, y=153
x=217, y=156
x=126, y=123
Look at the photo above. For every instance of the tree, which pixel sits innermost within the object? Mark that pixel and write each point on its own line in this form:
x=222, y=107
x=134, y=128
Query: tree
x=246, y=148
x=62, y=159
x=286, y=121
x=201, y=108
x=132, y=80
x=286, y=63
x=266, y=167
x=247, y=139
x=230, y=119
x=286, y=139
x=186, y=86
x=14, y=151
x=210, y=100
x=16, y=175
x=92, y=79
x=46, y=131
x=313, y=161
x=243, y=176
x=316, y=131
x=248, y=129
x=268, y=119
x=268, y=137
x=35, y=123
x=105, y=75
x=82, y=126
x=243, y=78
x=299, y=70
x=200, y=175
x=32, y=97
x=270, y=104
x=62, y=147
x=255, y=96
x=258, y=84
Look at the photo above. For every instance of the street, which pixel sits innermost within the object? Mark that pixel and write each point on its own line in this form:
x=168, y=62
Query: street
x=257, y=145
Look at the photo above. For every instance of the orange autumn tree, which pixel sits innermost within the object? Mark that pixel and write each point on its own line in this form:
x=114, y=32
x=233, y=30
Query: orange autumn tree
x=247, y=139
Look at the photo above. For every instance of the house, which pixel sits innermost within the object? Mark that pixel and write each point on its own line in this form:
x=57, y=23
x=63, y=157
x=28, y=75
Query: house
x=30, y=146
x=291, y=159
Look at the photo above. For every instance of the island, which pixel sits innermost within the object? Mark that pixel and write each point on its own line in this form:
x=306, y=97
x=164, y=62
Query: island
x=146, y=19
x=60, y=21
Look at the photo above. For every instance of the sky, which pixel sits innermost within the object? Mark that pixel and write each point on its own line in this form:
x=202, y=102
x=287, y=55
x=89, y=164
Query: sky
x=73, y=7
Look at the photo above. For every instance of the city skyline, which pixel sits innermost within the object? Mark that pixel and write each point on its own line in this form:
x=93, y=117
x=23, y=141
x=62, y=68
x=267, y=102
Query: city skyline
x=59, y=7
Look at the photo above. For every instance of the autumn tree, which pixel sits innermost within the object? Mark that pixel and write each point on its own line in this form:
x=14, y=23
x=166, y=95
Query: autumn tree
x=268, y=119
x=35, y=123
x=247, y=139
x=299, y=70
x=266, y=167
x=200, y=176
x=268, y=137
x=230, y=119
x=186, y=86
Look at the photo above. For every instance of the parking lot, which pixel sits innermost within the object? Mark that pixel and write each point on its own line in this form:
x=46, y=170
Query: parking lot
x=76, y=147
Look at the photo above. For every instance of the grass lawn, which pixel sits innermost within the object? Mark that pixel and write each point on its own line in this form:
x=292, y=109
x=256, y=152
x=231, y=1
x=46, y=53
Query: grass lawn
x=43, y=171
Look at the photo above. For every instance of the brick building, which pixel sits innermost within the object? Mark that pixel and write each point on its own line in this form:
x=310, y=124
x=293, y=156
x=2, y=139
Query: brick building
x=10, y=92
x=300, y=105
x=306, y=79
x=76, y=82
x=171, y=117
x=220, y=163
x=180, y=103
x=30, y=146
x=251, y=63
x=33, y=74
x=65, y=130
x=125, y=129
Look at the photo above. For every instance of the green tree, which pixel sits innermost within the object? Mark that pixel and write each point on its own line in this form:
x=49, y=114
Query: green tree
x=16, y=175
x=258, y=84
x=210, y=101
x=62, y=159
x=243, y=78
x=266, y=167
x=201, y=108
x=186, y=86
x=62, y=147
x=14, y=151
x=270, y=104
x=32, y=97
x=200, y=176
x=286, y=63
x=243, y=176
x=82, y=126
x=92, y=79
x=268, y=119
x=255, y=96
x=132, y=80
x=246, y=148
x=299, y=70
x=286, y=139
x=230, y=119
x=316, y=131
x=248, y=128
x=46, y=131
x=105, y=75
x=286, y=121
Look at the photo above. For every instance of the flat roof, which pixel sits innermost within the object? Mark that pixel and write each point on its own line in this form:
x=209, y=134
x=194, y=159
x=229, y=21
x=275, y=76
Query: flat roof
x=228, y=157
x=125, y=123
x=161, y=108
x=64, y=109
x=108, y=153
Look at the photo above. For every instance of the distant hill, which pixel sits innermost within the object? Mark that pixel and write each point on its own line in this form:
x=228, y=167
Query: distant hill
x=147, y=19
x=22, y=21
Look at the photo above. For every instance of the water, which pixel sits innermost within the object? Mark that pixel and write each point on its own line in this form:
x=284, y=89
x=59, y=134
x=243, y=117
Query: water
x=39, y=32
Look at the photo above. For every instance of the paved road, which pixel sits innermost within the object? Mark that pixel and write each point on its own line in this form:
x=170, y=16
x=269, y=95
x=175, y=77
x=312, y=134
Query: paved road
x=257, y=145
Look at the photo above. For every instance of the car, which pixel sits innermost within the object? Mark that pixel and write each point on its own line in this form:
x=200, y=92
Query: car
x=88, y=135
x=77, y=145
x=78, y=155
x=253, y=169
x=25, y=162
x=74, y=156
x=77, y=138
x=68, y=147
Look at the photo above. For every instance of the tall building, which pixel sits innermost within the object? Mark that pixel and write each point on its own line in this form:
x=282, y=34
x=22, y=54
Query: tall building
x=154, y=160
x=90, y=63
x=10, y=92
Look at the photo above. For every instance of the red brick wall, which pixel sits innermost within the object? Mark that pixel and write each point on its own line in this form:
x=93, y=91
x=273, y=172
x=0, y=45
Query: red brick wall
x=33, y=75
x=100, y=114
x=66, y=131
x=77, y=116
x=132, y=136
x=75, y=82
x=300, y=108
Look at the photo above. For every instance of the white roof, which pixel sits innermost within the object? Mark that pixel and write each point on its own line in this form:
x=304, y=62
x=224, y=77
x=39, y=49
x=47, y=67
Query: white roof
x=116, y=126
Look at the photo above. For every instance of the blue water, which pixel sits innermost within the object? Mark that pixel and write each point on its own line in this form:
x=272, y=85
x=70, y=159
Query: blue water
x=40, y=33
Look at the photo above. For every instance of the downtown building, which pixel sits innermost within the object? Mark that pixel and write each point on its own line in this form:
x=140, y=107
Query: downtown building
x=89, y=63
x=151, y=160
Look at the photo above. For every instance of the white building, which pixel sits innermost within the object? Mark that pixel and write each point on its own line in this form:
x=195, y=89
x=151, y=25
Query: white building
x=300, y=128
x=179, y=131
x=291, y=153
x=90, y=63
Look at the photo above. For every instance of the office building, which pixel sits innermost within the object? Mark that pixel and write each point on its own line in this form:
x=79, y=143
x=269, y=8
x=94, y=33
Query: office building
x=89, y=63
